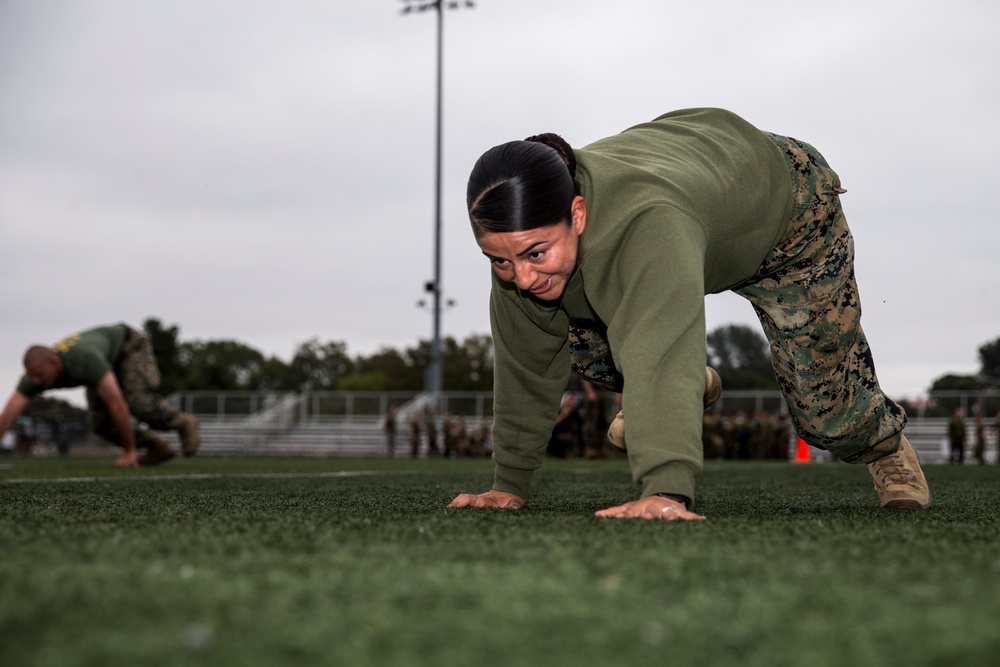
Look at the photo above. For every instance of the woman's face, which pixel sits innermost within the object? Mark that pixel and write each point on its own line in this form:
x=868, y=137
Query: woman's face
x=540, y=261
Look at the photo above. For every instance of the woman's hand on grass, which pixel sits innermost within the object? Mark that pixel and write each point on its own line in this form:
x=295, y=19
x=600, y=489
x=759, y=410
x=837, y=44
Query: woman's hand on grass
x=495, y=499
x=650, y=507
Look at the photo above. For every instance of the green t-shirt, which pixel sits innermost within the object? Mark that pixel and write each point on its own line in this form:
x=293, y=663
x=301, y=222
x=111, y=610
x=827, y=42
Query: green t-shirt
x=685, y=205
x=87, y=356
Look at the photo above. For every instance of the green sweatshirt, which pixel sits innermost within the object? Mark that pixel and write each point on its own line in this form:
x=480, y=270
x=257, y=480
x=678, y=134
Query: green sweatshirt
x=683, y=206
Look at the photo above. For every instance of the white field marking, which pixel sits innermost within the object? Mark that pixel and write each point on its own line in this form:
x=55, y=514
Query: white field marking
x=264, y=475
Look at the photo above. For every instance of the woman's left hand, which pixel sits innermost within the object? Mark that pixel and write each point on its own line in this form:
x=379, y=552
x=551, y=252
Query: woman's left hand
x=650, y=507
x=495, y=499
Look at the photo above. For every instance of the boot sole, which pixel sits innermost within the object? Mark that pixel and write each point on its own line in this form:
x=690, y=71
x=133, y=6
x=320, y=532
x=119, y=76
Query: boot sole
x=905, y=504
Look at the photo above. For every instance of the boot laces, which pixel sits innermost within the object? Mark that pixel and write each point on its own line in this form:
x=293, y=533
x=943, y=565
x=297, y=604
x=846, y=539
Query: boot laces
x=893, y=469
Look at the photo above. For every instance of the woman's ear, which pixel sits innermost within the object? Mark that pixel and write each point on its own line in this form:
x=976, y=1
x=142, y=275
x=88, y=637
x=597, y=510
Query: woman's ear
x=578, y=211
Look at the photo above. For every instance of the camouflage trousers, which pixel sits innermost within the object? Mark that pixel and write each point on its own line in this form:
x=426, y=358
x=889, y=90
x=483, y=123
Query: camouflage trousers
x=139, y=379
x=806, y=297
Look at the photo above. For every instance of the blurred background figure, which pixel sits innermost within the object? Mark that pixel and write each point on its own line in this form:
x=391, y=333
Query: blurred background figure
x=389, y=426
x=956, y=437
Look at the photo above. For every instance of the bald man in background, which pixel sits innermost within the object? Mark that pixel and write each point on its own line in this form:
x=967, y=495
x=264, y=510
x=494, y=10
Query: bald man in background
x=116, y=365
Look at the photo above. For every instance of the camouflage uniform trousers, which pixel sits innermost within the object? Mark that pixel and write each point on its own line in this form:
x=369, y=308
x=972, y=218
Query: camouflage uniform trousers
x=806, y=297
x=139, y=379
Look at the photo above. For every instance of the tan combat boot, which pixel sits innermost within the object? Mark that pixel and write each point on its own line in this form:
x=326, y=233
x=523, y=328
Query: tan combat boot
x=713, y=390
x=899, y=481
x=158, y=450
x=189, y=435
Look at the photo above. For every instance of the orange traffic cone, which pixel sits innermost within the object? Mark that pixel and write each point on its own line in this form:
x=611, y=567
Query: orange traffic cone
x=802, y=453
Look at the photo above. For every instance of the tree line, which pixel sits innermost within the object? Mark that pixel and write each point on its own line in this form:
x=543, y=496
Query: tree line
x=988, y=376
x=740, y=354
x=231, y=365
x=987, y=379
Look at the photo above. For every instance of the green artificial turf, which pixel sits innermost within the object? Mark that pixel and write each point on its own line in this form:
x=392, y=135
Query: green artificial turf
x=353, y=562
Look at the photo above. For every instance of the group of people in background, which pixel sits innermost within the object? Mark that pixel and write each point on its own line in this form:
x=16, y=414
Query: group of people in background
x=958, y=434
x=744, y=434
x=448, y=437
x=583, y=420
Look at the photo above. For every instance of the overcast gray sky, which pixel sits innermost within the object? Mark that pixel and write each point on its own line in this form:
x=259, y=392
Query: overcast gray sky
x=263, y=171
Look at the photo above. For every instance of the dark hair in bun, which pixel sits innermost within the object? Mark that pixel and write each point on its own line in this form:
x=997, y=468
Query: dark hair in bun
x=522, y=185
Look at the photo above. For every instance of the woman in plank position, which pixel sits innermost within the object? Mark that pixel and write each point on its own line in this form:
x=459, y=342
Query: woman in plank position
x=602, y=257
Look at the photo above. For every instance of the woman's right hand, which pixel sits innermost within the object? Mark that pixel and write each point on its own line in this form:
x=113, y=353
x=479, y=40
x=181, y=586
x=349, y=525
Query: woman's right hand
x=494, y=499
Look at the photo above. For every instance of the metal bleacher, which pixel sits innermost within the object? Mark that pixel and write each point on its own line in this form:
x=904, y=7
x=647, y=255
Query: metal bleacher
x=358, y=437
x=929, y=437
x=343, y=424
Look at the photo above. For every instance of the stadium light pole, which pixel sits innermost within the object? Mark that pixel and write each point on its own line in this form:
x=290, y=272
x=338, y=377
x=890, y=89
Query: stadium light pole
x=434, y=375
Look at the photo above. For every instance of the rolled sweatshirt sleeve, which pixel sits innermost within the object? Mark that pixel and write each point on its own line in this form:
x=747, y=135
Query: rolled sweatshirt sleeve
x=657, y=334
